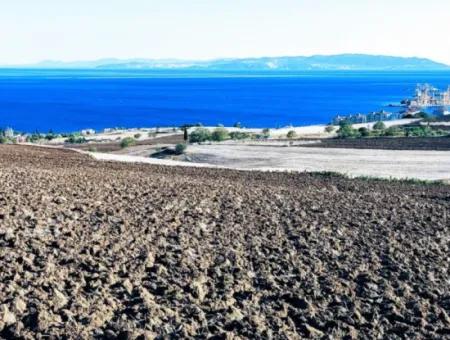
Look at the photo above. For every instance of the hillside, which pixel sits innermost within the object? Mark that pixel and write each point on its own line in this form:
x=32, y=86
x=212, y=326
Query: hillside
x=356, y=62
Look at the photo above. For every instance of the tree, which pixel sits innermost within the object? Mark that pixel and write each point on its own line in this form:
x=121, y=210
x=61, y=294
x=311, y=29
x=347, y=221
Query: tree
x=180, y=149
x=127, y=141
x=240, y=135
x=185, y=134
x=329, y=128
x=346, y=130
x=73, y=139
x=291, y=134
x=379, y=125
x=220, y=134
x=200, y=135
x=392, y=131
x=364, y=132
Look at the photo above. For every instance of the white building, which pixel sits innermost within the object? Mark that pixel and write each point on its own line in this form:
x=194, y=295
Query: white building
x=9, y=133
x=87, y=132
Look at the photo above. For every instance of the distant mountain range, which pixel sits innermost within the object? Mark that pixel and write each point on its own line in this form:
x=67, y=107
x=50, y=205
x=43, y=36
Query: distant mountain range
x=355, y=62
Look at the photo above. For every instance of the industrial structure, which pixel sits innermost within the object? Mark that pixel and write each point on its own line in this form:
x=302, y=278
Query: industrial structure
x=430, y=99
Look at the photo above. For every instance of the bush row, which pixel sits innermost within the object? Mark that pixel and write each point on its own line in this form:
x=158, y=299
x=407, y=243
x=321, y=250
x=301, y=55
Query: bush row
x=379, y=129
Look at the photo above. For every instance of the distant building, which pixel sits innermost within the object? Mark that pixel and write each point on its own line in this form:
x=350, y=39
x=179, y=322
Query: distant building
x=430, y=100
x=87, y=132
x=360, y=118
x=20, y=139
x=9, y=133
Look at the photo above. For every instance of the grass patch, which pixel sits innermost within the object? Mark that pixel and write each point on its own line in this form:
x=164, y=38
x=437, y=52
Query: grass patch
x=372, y=179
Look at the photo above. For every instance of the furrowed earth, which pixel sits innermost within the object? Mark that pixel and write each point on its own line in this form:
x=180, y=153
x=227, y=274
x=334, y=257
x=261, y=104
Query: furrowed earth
x=108, y=250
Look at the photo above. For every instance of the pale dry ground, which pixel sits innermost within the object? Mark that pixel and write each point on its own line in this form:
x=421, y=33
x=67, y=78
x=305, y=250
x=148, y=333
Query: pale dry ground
x=425, y=165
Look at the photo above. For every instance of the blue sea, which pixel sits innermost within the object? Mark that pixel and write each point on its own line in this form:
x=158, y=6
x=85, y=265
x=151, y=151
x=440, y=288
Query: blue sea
x=70, y=100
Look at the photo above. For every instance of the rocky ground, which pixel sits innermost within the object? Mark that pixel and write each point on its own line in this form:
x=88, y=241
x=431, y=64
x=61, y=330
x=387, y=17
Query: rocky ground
x=108, y=250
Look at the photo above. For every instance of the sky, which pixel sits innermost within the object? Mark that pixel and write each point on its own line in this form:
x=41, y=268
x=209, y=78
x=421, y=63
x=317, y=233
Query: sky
x=68, y=30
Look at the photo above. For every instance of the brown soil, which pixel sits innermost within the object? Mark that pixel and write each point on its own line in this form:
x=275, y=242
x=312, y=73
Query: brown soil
x=386, y=143
x=115, y=146
x=108, y=250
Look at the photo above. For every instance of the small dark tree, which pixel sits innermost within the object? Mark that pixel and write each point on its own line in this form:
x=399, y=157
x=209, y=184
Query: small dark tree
x=329, y=128
x=180, y=149
x=346, y=130
x=220, y=134
x=291, y=134
x=379, y=126
x=127, y=141
x=199, y=135
x=364, y=132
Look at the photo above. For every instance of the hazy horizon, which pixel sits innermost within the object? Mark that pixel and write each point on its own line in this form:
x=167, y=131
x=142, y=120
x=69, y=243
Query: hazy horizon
x=32, y=32
x=106, y=58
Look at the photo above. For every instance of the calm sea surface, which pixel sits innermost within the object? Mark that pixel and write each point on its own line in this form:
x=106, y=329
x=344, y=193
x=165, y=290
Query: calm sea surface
x=64, y=100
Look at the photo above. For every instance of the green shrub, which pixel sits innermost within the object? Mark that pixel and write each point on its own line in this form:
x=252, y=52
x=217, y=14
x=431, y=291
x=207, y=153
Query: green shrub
x=346, y=130
x=137, y=136
x=50, y=136
x=76, y=139
x=3, y=140
x=393, y=132
x=420, y=131
x=127, y=141
x=180, y=149
x=379, y=126
x=329, y=128
x=266, y=132
x=364, y=132
x=291, y=134
x=240, y=135
x=33, y=138
x=200, y=135
x=220, y=134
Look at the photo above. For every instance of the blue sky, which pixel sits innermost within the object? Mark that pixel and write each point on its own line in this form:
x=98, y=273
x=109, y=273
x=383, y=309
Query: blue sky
x=32, y=30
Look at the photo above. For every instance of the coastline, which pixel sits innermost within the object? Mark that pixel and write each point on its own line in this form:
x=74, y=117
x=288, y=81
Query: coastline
x=311, y=131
